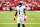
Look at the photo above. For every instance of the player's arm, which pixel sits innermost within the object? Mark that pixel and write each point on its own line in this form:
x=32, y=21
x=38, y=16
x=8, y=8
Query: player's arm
x=15, y=15
x=25, y=15
x=25, y=12
x=16, y=11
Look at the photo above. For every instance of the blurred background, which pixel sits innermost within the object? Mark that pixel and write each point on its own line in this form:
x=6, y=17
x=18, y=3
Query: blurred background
x=9, y=5
x=7, y=14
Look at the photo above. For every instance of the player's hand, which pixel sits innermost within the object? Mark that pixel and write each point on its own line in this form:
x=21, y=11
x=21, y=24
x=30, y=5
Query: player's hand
x=14, y=18
x=25, y=18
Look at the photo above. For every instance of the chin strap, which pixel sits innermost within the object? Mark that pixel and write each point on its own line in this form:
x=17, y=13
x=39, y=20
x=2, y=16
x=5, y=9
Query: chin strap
x=19, y=5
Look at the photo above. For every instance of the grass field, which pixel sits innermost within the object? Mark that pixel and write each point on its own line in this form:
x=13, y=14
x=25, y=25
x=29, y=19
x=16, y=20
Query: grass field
x=6, y=19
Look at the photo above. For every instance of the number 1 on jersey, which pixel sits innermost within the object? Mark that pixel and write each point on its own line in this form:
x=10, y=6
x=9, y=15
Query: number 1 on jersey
x=19, y=11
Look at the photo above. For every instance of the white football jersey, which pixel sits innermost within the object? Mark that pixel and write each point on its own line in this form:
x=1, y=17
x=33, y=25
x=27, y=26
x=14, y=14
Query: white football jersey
x=20, y=10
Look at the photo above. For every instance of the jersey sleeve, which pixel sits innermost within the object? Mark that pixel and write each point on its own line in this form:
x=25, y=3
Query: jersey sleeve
x=15, y=8
x=24, y=7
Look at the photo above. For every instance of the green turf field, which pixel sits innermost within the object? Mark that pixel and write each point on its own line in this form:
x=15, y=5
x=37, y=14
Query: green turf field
x=6, y=19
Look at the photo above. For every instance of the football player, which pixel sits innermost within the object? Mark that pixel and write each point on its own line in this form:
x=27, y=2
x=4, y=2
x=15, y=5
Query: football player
x=21, y=11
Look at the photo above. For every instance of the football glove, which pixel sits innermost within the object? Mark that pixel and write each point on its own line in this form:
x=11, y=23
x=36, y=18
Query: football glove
x=14, y=18
x=25, y=18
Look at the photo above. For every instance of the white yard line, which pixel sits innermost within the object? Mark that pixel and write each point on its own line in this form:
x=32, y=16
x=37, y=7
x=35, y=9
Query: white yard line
x=16, y=23
x=38, y=11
